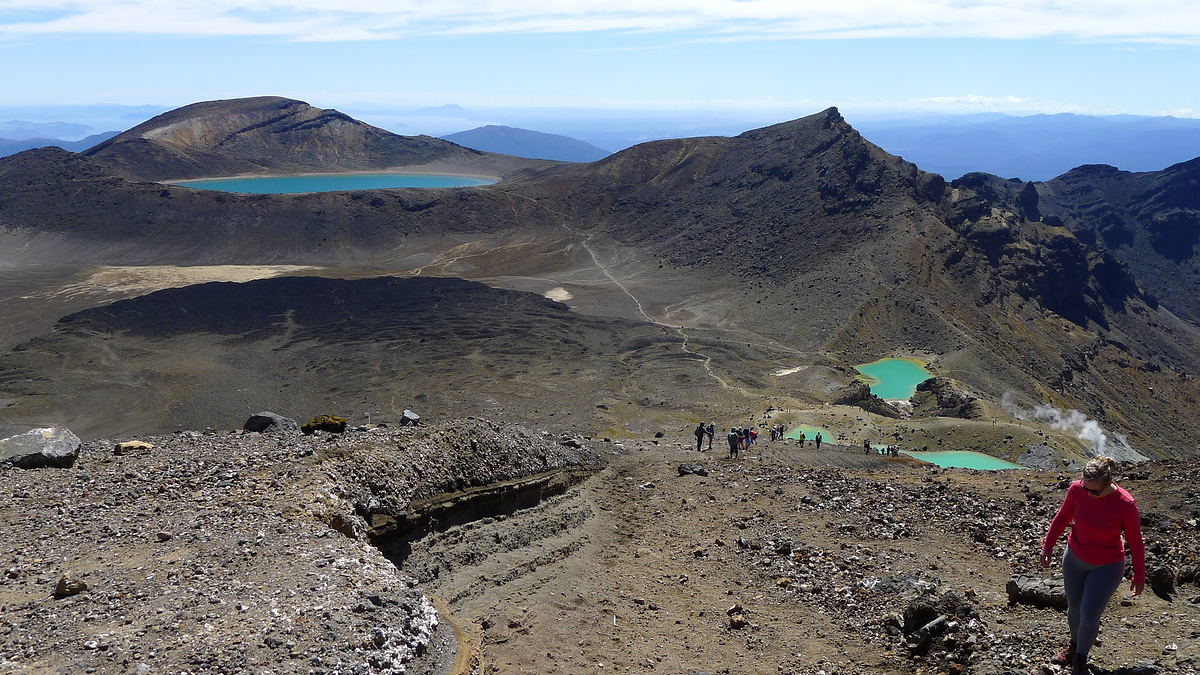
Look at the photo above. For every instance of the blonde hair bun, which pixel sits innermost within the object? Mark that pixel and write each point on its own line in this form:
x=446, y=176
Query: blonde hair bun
x=1100, y=468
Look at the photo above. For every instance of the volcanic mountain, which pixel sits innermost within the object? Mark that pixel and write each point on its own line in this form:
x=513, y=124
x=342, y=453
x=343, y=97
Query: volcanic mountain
x=767, y=264
x=271, y=134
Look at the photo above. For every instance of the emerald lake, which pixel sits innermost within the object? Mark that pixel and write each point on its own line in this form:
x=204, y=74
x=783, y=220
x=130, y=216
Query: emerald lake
x=333, y=182
x=810, y=433
x=962, y=459
x=892, y=379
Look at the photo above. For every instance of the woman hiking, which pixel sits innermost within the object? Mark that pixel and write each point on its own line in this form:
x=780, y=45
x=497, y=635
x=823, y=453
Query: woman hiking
x=1094, y=561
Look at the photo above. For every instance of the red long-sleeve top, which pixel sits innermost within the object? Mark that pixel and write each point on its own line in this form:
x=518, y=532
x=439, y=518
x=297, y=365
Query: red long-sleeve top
x=1096, y=537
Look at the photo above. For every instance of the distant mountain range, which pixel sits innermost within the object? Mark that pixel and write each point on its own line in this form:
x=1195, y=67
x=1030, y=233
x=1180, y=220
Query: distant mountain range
x=524, y=143
x=12, y=146
x=1036, y=147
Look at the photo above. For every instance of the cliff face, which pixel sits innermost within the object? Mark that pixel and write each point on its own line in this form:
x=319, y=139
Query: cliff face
x=1148, y=221
x=273, y=135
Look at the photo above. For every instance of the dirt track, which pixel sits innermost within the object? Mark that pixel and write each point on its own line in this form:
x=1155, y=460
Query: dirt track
x=636, y=570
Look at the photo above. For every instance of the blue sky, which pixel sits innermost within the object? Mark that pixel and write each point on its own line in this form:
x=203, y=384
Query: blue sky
x=768, y=59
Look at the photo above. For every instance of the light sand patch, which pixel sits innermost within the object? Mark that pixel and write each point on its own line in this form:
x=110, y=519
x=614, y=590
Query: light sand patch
x=558, y=294
x=788, y=371
x=147, y=279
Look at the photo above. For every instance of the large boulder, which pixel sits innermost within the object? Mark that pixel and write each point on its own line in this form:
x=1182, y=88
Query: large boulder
x=269, y=421
x=1027, y=589
x=48, y=446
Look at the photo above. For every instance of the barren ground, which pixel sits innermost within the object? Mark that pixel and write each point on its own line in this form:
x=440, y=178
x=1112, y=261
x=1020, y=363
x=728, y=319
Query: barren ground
x=645, y=584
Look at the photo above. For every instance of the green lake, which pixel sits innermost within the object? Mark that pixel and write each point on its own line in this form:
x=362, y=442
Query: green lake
x=962, y=459
x=810, y=433
x=333, y=182
x=892, y=379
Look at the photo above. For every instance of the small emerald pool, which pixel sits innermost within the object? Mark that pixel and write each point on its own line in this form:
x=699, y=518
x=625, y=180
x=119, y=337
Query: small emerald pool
x=892, y=379
x=331, y=182
x=962, y=459
x=810, y=433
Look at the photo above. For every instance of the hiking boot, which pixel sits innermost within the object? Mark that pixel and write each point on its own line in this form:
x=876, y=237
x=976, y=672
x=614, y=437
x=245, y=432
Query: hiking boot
x=1079, y=666
x=1065, y=656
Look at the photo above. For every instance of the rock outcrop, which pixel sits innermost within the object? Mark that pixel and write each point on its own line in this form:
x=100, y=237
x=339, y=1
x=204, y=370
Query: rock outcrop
x=858, y=393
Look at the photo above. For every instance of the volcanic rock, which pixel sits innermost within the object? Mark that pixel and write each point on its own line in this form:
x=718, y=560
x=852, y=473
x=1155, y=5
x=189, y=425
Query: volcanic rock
x=1033, y=590
x=44, y=447
x=267, y=421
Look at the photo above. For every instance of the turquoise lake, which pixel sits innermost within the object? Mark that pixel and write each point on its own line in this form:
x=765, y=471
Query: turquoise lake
x=810, y=433
x=962, y=459
x=334, y=182
x=894, y=378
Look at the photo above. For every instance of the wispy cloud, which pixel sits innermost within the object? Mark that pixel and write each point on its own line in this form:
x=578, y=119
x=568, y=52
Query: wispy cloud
x=1164, y=21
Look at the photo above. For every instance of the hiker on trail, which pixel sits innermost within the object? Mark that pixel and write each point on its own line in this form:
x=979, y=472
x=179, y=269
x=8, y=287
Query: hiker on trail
x=772, y=433
x=710, y=431
x=818, y=440
x=1094, y=561
x=866, y=446
x=802, y=439
x=735, y=440
x=700, y=437
x=751, y=436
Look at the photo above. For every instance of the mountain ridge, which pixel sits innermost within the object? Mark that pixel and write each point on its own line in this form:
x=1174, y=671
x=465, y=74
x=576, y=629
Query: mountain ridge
x=804, y=234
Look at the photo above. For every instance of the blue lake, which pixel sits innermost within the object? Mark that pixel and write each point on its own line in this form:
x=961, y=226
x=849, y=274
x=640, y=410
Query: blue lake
x=333, y=182
x=962, y=459
x=894, y=378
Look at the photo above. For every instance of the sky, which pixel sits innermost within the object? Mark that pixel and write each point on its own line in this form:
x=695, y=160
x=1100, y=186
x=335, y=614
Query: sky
x=761, y=59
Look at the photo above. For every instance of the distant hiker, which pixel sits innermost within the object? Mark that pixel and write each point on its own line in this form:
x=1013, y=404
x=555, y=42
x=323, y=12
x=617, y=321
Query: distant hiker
x=1093, y=564
x=735, y=439
x=751, y=436
x=802, y=439
x=818, y=440
x=700, y=432
x=772, y=434
x=866, y=446
x=710, y=431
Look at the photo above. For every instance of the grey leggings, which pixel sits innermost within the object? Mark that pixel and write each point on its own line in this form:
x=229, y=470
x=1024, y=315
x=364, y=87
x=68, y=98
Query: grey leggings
x=1089, y=588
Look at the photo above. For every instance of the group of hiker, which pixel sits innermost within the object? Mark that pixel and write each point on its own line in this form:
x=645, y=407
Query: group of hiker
x=885, y=450
x=740, y=438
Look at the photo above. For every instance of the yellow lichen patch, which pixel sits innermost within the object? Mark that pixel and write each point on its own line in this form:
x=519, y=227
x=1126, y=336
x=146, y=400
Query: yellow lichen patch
x=147, y=279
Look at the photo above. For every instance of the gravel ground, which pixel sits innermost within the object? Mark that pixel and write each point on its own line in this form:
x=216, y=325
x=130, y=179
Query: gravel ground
x=237, y=553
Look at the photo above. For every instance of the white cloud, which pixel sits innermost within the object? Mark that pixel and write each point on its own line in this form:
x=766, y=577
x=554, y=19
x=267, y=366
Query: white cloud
x=1165, y=21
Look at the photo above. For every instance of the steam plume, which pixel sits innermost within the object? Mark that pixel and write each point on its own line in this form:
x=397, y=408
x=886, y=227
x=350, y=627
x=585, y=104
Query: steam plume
x=1085, y=429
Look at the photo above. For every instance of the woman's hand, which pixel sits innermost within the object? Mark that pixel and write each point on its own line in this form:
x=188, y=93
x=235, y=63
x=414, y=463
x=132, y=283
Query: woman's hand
x=1137, y=588
x=1046, y=557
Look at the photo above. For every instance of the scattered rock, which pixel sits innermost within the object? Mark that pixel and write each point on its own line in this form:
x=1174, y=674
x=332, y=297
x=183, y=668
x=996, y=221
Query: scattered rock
x=132, y=447
x=1040, y=456
x=693, y=469
x=68, y=586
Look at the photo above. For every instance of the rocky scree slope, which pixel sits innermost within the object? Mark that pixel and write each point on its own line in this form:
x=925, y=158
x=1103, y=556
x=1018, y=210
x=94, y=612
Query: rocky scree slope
x=238, y=552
